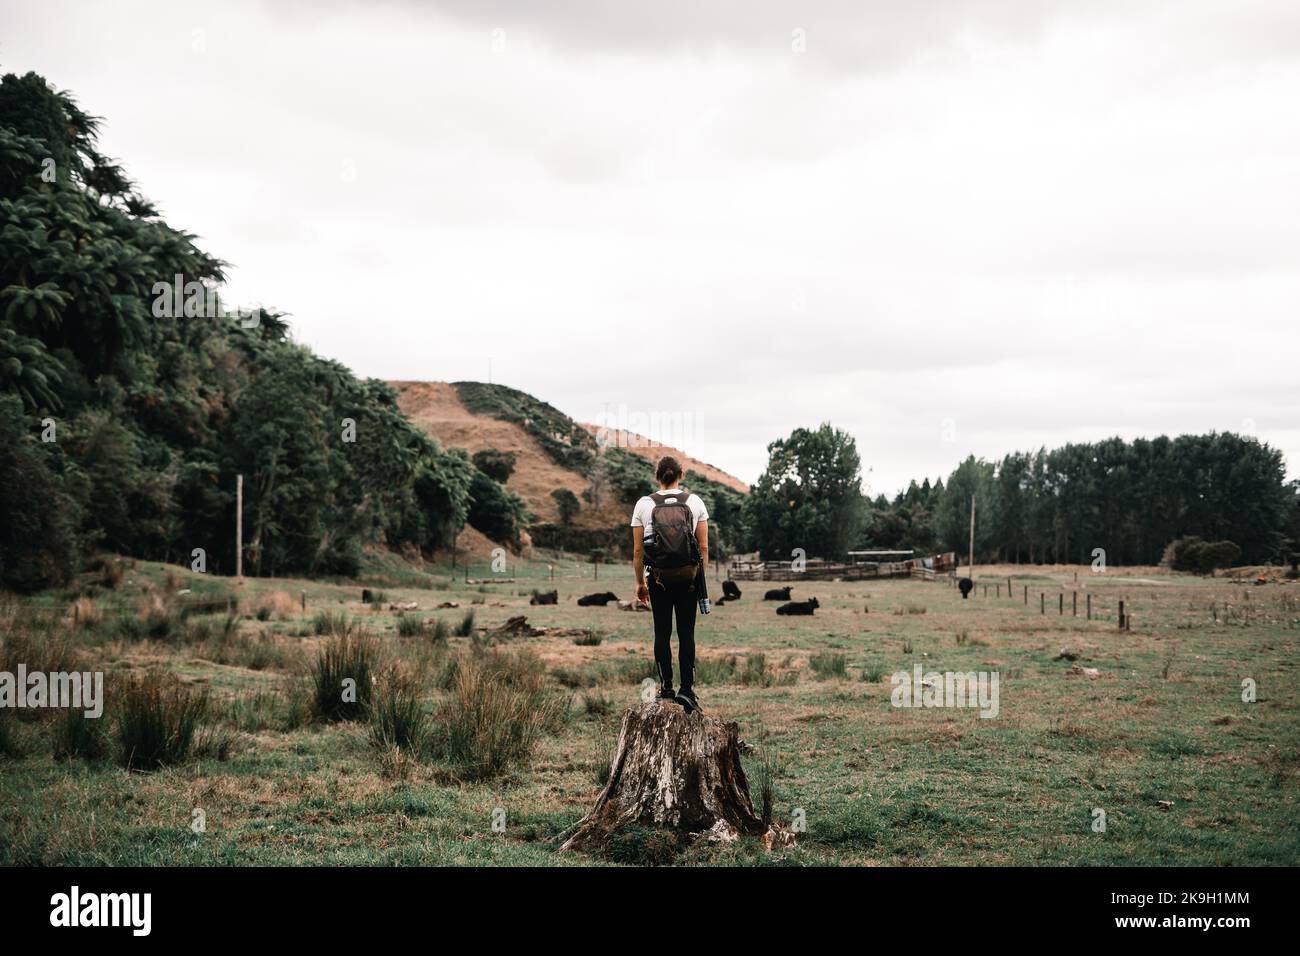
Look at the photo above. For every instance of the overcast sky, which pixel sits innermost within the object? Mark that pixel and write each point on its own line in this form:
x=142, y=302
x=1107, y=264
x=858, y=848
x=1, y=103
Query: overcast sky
x=947, y=227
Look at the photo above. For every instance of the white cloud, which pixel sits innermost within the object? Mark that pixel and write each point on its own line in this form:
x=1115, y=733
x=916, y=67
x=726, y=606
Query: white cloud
x=1045, y=222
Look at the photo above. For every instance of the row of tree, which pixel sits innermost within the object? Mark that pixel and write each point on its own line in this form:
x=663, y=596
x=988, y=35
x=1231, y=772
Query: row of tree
x=1130, y=499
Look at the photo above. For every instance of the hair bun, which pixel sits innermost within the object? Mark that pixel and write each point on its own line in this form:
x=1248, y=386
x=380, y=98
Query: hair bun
x=669, y=470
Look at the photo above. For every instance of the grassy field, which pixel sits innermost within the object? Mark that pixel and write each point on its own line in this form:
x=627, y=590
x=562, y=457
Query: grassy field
x=1159, y=739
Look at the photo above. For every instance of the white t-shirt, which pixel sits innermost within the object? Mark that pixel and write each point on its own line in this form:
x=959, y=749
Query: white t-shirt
x=646, y=506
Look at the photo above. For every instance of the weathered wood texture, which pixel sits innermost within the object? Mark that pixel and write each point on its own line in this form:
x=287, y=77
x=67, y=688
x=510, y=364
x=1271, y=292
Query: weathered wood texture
x=677, y=770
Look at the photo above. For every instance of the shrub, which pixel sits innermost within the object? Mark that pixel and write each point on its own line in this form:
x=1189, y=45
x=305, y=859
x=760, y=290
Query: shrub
x=828, y=665
x=499, y=706
x=497, y=465
x=590, y=639
x=568, y=504
x=440, y=631
x=344, y=658
x=1191, y=553
x=466, y=626
x=157, y=717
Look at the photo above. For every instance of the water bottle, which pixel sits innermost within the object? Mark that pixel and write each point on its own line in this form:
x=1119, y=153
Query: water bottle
x=705, y=605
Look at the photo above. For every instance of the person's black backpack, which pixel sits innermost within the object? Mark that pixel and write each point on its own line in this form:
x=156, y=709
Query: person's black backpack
x=671, y=551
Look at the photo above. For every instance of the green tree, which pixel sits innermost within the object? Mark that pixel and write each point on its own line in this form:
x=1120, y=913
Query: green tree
x=568, y=504
x=809, y=497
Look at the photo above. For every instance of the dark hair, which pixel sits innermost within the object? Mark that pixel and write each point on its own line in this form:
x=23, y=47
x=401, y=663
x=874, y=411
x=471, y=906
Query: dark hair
x=669, y=470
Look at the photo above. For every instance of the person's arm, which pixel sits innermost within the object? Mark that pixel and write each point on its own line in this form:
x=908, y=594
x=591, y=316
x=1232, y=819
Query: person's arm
x=638, y=566
x=702, y=536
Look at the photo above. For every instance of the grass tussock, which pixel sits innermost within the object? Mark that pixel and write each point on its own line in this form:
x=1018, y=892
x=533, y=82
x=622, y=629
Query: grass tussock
x=397, y=716
x=343, y=677
x=408, y=625
x=331, y=623
x=498, y=707
x=157, y=719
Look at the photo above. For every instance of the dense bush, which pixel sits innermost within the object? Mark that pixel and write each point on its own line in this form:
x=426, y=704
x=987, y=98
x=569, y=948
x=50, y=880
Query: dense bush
x=1203, y=557
x=498, y=513
x=497, y=465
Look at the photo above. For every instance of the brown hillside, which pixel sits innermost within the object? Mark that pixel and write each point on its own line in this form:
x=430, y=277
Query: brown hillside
x=436, y=408
x=652, y=451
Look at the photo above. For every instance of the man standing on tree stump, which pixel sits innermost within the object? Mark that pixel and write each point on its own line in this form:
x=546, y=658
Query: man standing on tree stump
x=670, y=554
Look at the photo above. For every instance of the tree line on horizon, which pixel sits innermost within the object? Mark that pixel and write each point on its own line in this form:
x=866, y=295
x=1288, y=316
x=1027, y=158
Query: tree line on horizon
x=1132, y=499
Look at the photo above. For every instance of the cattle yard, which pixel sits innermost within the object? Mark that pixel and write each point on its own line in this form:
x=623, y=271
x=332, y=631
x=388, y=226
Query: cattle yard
x=1179, y=734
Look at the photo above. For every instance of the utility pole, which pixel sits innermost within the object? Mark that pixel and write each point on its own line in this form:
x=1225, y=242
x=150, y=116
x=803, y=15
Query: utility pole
x=970, y=566
x=239, y=526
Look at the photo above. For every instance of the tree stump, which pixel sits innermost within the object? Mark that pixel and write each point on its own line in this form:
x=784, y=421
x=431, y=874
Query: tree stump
x=674, y=770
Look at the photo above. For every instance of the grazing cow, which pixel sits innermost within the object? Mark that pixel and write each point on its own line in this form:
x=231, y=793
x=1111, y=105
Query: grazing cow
x=597, y=599
x=550, y=597
x=778, y=594
x=730, y=590
x=799, y=607
x=966, y=585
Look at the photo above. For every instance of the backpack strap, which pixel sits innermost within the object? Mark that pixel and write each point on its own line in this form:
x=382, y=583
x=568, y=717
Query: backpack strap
x=659, y=496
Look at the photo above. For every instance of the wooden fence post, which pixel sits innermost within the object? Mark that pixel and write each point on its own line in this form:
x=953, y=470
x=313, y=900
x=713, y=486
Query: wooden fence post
x=1042, y=603
x=1076, y=604
x=1121, y=615
x=1090, y=605
x=1061, y=604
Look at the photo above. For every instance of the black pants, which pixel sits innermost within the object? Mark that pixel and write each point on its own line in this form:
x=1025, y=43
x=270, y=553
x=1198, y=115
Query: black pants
x=665, y=599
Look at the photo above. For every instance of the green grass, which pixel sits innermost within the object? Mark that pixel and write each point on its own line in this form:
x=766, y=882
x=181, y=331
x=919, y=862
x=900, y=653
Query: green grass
x=1163, y=722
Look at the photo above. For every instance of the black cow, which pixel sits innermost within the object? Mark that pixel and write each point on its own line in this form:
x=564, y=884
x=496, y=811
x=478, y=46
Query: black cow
x=367, y=597
x=597, y=599
x=799, y=607
x=778, y=594
x=550, y=597
x=730, y=590
x=966, y=585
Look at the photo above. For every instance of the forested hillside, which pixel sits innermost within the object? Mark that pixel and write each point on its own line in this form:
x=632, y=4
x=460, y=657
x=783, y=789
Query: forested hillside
x=123, y=428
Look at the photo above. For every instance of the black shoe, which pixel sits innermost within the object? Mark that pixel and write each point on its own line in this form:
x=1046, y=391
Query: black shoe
x=686, y=697
x=666, y=693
